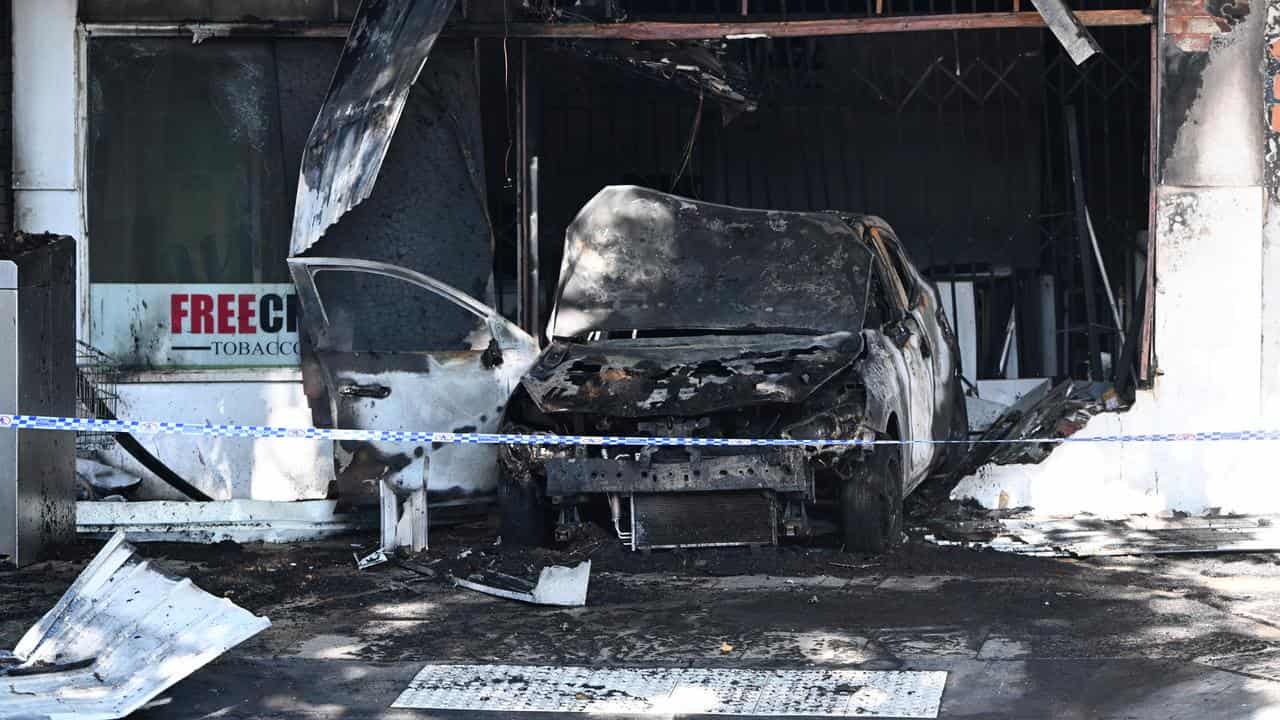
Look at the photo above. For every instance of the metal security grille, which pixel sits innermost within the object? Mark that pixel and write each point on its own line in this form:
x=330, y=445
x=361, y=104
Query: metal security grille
x=672, y=692
x=958, y=139
x=97, y=376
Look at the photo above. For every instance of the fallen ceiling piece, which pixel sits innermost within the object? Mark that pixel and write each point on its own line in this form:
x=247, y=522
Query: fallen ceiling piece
x=385, y=52
x=564, y=586
x=1067, y=28
x=122, y=634
x=674, y=692
x=696, y=66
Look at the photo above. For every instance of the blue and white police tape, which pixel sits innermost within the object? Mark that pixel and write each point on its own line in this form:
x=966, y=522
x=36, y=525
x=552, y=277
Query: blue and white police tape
x=151, y=427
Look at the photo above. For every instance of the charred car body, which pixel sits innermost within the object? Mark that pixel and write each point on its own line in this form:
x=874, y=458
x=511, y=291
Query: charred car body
x=678, y=318
x=673, y=318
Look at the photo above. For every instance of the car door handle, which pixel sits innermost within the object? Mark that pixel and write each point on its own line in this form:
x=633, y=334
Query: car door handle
x=372, y=390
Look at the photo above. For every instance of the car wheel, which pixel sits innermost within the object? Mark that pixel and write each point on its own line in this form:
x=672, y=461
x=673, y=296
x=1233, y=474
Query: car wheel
x=524, y=513
x=871, y=502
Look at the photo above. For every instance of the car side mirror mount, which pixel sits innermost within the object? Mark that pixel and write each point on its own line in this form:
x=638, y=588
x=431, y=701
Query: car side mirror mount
x=901, y=330
x=492, y=355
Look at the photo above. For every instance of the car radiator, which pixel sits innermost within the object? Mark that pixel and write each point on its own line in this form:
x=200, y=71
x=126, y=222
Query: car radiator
x=669, y=520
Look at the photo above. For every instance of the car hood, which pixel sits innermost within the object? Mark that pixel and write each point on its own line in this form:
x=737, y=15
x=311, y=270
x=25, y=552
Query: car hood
x=686, y=376
x=639, y=259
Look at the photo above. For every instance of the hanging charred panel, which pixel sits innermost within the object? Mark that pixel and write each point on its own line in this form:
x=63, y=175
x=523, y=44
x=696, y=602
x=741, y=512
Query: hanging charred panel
x=387, y=47
x=427, y=212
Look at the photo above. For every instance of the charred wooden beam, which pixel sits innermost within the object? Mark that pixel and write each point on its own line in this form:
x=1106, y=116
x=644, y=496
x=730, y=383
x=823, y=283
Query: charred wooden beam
x=650, y=29
x=664, y=30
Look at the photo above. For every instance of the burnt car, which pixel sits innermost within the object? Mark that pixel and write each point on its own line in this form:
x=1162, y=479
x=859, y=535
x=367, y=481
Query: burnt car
x=677, y=318
x=673, y=318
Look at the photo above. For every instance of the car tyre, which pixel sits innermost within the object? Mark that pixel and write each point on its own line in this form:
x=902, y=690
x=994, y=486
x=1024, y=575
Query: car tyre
x=871, y=502
x=523, y=513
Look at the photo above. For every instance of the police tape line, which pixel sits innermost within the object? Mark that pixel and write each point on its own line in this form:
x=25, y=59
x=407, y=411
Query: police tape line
x=149, y=427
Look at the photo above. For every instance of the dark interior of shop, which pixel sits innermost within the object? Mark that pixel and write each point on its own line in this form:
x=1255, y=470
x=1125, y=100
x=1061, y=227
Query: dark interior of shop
x=962, y=140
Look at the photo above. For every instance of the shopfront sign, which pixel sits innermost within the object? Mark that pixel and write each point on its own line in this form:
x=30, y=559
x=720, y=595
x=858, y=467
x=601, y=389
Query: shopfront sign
x=196, y=325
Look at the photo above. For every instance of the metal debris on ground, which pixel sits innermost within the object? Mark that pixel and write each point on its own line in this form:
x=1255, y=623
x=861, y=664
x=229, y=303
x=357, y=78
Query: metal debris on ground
x=1090, y=536
x=1086, y=536
x=122, y=634
x=422, y=569
x=676, y=691
x=557, y=585
x=377, y=557
x=1049, y=412
x=99, y=481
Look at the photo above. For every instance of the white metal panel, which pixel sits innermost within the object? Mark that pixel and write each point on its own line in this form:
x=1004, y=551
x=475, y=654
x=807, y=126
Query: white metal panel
x=676, y=691
x=138, y=631
x=241, y=521
x=158, y=325
x=1010, y=391
x=225, y=468
x=963, y=319
x=982, y=412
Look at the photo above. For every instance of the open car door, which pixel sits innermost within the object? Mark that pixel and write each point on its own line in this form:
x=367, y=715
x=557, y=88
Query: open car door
x=398, y=350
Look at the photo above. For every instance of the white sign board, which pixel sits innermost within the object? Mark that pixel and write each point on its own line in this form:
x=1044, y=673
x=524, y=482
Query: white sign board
x=195, y=325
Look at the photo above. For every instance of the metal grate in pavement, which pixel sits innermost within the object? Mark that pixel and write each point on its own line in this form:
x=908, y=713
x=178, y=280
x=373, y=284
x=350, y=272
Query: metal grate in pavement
x=676, y=691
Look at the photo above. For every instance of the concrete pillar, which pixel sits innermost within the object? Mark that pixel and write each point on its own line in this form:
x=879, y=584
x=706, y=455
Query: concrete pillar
x=6, y=120
x=47, y=180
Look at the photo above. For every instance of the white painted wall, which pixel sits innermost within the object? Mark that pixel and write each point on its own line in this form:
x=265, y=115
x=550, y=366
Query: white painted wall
x=46, y=138
x=1208, y=325
x=227, y=468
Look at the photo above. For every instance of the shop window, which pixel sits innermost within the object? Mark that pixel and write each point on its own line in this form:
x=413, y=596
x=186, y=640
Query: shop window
x=193, y=155
x=190, y=150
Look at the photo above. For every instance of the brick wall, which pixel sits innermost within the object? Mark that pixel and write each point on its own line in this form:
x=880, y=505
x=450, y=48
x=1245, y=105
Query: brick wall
x=1192, y=24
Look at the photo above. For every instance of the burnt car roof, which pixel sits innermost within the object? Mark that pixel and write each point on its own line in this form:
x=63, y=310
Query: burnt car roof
x=640, y=259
